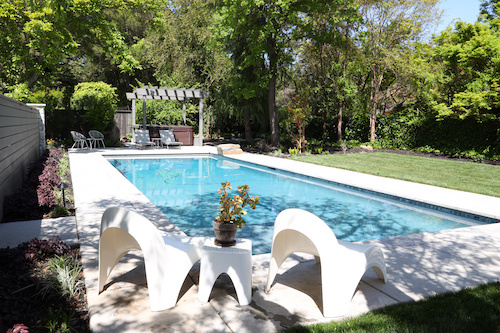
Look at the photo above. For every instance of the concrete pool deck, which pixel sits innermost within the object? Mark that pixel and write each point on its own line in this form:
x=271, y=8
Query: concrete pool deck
x=418, y=266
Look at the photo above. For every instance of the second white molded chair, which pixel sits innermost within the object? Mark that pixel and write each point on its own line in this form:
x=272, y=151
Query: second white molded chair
x=342, y=263
x=167, y=258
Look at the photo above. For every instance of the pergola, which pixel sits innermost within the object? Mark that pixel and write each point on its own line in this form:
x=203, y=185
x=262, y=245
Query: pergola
x=176, y=94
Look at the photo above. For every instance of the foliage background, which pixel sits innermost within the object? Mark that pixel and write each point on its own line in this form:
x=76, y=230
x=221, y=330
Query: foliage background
x=394, y=86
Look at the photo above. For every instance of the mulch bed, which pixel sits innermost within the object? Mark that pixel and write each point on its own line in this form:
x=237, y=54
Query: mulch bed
x=20, y=300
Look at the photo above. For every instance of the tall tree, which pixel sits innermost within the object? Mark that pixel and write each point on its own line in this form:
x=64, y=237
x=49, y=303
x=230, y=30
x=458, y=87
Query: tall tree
x=390, y=29
x=41, y=37
x=489, y=8
x=268, y=28
x=328, y=54
x=470, y=56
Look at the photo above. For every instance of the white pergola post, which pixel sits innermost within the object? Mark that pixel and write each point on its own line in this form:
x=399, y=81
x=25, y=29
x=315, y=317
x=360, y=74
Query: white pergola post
x=133, y=124
x=200, y=121
x=144, y=113
x=184, y=112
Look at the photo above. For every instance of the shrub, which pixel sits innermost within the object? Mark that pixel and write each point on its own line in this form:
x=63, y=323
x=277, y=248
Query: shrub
x=357, y=128
x=41, y=249
x=62, y=278
x=59, y=321
x=96, y=103
x=49, y=179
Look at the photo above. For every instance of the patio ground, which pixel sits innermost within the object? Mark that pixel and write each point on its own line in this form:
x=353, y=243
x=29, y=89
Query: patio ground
x=418, y=266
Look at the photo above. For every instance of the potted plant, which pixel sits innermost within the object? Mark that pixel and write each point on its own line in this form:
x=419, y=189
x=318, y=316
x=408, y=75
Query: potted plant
x=231, y=213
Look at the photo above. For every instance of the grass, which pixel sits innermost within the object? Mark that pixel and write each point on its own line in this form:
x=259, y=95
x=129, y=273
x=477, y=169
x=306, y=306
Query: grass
x=470, y=310
x=458, y=175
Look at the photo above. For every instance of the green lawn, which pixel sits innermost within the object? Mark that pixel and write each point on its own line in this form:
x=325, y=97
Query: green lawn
x=471, y=310
x=459, y=175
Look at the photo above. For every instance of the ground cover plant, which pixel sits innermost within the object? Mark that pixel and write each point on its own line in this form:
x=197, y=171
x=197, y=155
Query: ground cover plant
x=42, y=288
x=454, y=174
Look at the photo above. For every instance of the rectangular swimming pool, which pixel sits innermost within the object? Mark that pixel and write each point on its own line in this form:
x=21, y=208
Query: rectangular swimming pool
x=185, y=189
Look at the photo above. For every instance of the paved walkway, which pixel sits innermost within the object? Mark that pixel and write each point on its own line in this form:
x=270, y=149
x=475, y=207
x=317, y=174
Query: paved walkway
x=418, y=265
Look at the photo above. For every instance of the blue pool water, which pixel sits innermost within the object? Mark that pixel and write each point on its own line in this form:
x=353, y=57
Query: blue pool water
x=186, y=191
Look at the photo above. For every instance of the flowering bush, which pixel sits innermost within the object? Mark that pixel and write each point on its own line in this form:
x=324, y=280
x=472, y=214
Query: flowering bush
x=50, y=143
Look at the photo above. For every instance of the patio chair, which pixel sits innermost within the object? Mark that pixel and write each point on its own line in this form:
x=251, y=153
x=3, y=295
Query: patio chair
x=342, y=263
x=95, y=138
x=79, y=140
x=168, y=139
x=168, y=258
x=142, y=138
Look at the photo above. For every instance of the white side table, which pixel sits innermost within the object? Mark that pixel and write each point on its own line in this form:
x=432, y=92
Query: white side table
x=235, y=261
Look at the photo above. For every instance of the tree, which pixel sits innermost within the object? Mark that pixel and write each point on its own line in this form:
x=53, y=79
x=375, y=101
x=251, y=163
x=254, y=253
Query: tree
x=390, y=29
x=328, y=55
x=267, y=29
x=470, y=84
x=39, y=38
x=489, y=8
x=95, y=102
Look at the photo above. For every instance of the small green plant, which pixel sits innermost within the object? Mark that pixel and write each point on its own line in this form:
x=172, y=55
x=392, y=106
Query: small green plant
x=318, y=150
x=63, y=171
x=231, y=208
x=62, y=278
x=58, y=211
x=277, y=152
x=59, y=321
x=299, y=112
x=293, y=151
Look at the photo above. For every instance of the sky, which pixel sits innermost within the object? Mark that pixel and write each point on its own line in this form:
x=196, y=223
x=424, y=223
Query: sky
x=465, y=10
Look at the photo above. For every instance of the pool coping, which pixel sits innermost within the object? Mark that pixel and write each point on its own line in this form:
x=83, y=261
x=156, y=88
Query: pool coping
x=433, y=262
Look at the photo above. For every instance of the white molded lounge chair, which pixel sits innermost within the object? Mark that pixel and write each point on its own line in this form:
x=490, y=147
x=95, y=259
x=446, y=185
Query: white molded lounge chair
x=79, y=140
x=168, y=258
x=142, y=138
x=168, y=139
x=342, y=263
x=95, y=138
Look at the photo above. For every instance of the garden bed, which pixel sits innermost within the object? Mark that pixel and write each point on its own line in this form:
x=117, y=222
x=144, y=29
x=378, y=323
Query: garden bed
x=24, y=273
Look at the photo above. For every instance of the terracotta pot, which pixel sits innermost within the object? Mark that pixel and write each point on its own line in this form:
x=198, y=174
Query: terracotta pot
x=225, y=233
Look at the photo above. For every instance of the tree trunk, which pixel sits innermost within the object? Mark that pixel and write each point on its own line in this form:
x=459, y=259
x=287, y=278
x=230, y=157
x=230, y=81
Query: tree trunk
x=273, y=117
x=376, y=82
x=248, y=126
x=339, y=123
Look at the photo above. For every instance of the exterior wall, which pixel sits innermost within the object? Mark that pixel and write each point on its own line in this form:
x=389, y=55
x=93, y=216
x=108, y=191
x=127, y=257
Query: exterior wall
x=22, y=140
